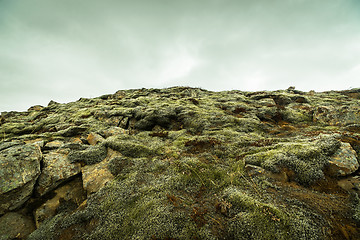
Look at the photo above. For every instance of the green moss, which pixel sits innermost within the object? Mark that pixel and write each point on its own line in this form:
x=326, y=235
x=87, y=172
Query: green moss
x=296, y=116
x=129, y=149
x=253, y=219
x=355, y=201
x=92, y=155
x=306, y=159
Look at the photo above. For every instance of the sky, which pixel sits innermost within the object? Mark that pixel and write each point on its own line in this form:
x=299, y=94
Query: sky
x=68, y=49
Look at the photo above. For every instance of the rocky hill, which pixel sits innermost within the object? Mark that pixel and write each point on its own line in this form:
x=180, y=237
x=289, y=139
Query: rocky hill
x=183, y=163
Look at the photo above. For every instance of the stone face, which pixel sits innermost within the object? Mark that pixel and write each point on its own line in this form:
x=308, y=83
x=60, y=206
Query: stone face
x=19, y=169
x=15, y=226
x=56, y=169
x=67, y=198
x=343, y=162
x=97, y=175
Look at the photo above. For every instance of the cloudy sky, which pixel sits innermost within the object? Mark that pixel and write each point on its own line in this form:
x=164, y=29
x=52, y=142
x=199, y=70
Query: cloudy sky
x=64, y=50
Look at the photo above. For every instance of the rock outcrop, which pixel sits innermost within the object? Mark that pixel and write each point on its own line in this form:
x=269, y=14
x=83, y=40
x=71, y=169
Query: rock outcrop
x=183, y=163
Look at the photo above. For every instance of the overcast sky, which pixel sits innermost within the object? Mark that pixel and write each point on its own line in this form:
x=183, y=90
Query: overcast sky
x=64, y=50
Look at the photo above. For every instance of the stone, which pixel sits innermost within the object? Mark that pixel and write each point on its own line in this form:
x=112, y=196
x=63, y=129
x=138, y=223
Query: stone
x=350, y=183
x=337, y=116
x=353, y=128
x=19, y=170
x=253, y=170
x=343, y=162
x=97, y=175
x=72, y=131
x=15, y=226
x=56, y=169
x=268, y=102
x=114, y=131
x=94, y=138
x=36, y=108
x=67, y=198
x=39, y=142
x=53, y=144
x=91, y=155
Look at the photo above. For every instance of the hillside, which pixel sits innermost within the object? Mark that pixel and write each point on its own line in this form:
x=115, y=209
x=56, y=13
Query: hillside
x=183, y=163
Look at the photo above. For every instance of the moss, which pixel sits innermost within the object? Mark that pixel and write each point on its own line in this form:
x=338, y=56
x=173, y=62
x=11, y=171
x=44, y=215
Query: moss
x=355, y=202
x=92, y=155
x=136, y=207
x=290, y=114
x=129, y=149
x=306, y=159
x=253, y=219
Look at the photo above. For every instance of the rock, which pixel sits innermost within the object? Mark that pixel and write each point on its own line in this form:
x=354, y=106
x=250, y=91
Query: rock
x=56, y=169
x=72, y=131
x=53, y=144
x=353, y=128
x=94, y=138
x=36, y=108
x=253, y=170
x=350, y=183
x=337, y=116
x=15, y=226
x=114, y=131
x=67, y=198
x=38, y=142
x=267, y=102
x=343, y=162
x=6, y=145
x=97, y=175
x=92, y=155
x=20, y=168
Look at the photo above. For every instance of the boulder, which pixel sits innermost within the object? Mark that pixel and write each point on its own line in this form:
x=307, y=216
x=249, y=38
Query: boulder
x=20, y=168
x=56, y=169
x=343, y=162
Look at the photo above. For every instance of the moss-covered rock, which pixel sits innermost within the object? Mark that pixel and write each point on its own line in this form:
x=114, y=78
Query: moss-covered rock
x=93, y=154
x=306, y=158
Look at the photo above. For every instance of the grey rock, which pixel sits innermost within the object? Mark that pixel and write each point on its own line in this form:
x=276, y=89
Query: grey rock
x=56, y=169
x=20, y=167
